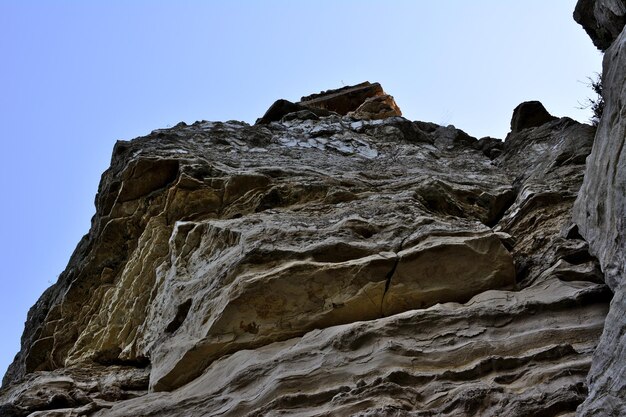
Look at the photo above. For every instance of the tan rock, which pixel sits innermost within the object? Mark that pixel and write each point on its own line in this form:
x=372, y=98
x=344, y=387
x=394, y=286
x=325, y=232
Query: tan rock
x=378, y=107
x=343, y=100
x=323, y=266
x=520, y=350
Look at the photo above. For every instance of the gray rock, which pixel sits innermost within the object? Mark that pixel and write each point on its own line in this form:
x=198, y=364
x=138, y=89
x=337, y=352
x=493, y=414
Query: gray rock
x=300, y=115
x=603, y=20
x=281, y=108
x=600, y=212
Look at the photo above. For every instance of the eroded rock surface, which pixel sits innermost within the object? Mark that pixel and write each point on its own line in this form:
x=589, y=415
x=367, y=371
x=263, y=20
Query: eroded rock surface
x=343, y=100
x=600, y=212
x=603, y=20
x=361, y=101
x=378, y=107
x=325, y=265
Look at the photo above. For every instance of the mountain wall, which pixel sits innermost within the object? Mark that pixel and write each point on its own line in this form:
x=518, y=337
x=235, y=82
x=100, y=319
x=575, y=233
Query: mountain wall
x=600, y=209
x=338, y=259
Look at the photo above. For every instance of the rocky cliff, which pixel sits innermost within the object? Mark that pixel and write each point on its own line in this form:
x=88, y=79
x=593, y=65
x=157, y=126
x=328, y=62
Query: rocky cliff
x=338, y=259
x=600, y=210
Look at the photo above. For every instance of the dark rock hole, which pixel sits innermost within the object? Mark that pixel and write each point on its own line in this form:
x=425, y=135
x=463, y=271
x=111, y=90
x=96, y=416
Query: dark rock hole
x=181, y=315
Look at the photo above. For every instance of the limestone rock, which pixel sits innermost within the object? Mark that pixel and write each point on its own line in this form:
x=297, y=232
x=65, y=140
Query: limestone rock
x=74, y=391
x=600, y=212
x=529, y=114
x=323, y=265
x=502, y=353
x=603, y=20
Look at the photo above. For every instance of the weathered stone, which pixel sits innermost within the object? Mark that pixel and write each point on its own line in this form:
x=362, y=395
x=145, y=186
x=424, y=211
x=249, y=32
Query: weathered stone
x=603, y=20
x=529, y=114
x=491, y=147
x=516, y=349
x=343, y=100
x=282, y=108
x=600, y=213
x=73, y=391
x=378, y=107
x=333, y=282
x=323, y=266
x=300, y=115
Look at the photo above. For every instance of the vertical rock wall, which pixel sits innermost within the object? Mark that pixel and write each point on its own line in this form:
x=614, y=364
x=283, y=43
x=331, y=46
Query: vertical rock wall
x=600, y=210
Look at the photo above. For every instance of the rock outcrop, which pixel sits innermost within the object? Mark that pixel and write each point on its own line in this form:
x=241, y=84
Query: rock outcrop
x=361, y=101
x=338, y=259
x=603, y=20
x=323, y=265
x=529, y=114
x=343, y=100
x=600, y=210
x=379, y=107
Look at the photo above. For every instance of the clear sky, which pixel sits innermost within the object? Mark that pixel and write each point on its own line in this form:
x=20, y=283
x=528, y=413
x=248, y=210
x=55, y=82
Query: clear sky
x=77, y=76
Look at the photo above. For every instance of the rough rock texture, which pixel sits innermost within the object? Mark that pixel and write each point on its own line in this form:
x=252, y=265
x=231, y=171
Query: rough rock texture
x=74, y=390
x=529, y=114
x=343, y=100
x=283, y=108
x=603, y=20
x=323, y=266
x=600, y=212
x=361, y=101
x=379, y=107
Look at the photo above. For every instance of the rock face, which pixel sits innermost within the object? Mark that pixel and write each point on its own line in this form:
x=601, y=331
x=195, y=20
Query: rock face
x=603, y=20
x=600, y=212
x=323, y=265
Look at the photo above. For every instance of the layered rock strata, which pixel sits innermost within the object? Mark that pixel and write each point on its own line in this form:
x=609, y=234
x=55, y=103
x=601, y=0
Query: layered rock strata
x=323, y=265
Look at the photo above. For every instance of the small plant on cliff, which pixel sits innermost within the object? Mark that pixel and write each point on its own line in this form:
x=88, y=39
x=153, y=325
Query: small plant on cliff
x=596, y=104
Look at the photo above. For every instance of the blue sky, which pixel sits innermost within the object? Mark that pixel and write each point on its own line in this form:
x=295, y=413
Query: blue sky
x=77, y=76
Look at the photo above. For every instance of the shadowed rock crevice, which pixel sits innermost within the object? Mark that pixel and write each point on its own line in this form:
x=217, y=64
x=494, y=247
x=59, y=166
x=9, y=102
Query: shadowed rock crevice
x=391, y=273
x=181, y=315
